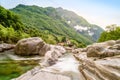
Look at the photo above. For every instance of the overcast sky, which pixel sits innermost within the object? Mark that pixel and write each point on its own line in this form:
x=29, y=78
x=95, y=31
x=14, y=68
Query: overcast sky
x=100, y=12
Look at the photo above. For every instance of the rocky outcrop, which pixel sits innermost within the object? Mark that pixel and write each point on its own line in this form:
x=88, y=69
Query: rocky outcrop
x=44, y=49
x=105, y=49
x=118, y=41
x=115, y=47
x=53, y=54
x=35, y=45
x=66, y=68
x=79, y=67
x=94, y=51
x=104, y=44
x=100, y=61
x=99, y=69
x=29, y=46
x=4, y=47
x=79, y=50
x=37, y=74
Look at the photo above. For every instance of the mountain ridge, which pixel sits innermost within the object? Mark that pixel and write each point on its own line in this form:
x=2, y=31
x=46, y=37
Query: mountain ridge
x=80, y=24
x=59, y=25
x=51, y=20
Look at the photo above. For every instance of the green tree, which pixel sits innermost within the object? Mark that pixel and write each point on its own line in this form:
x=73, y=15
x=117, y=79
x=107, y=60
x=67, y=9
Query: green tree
x=112, y=33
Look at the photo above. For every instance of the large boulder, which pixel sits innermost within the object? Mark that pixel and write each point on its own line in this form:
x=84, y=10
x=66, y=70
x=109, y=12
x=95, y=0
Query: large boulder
x=94, y=51
x=29, y=46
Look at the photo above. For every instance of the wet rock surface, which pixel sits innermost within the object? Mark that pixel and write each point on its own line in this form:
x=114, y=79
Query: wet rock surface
x=103, y=65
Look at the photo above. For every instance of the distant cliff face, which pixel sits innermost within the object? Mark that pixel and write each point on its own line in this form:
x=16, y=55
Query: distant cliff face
x=80, y=24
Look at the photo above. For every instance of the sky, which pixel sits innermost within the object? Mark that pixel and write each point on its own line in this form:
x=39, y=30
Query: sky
x=99, y=12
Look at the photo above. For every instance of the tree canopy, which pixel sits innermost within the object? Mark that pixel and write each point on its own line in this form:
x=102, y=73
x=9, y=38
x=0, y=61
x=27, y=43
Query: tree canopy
x=112, y=33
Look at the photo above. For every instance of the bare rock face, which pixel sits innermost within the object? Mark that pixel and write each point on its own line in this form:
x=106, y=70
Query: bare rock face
x=4, y=47
x=104, y=44
x=110, y=53
x=1, y=50
x=100, y=69
x=44, y=49
x=110, y=42
x=36, y=74
x=115, y=47
x=53, y=54
x=104, y=49
x=118, y=41
x=29, y=46
x=35, y=45
x=76, y=51
x=94, y=51
x=95, y=68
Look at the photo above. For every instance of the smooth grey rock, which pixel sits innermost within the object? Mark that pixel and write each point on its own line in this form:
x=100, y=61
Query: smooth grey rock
x=5, y=46
x=44, y=49
x=29, y=46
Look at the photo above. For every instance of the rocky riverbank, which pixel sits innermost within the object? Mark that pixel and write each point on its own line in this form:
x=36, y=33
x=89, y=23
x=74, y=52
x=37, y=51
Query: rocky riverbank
x=22, y=56
x=99, y=61
x=5, y=47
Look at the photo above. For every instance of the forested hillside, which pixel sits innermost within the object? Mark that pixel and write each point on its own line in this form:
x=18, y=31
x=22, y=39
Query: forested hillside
x=48, y=23
x=58, y=21
x=48, y=20
x=81, y=25
x=11, y=28
x=112, y=33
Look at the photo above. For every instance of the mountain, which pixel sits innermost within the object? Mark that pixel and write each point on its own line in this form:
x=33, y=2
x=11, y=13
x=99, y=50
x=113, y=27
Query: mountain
x=80, y=24
x=48, y=20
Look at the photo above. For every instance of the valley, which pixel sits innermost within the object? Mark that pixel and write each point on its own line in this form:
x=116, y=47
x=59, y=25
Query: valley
x=53, y=43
